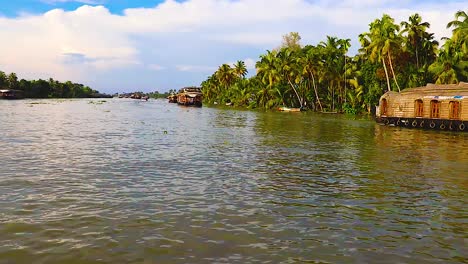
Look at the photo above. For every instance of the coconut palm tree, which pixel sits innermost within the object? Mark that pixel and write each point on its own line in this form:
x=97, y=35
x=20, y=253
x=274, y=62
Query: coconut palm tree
x=416, y=33
x=225, y=75
x=460, y=30
x=240, y=70
x=447, y=68
x=311, y=65
x=290, y=71
x=331, y=56
x=266, y=68
x=381, y=40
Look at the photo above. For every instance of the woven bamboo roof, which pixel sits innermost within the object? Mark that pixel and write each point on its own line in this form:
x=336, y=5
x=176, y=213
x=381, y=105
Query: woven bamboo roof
x=439, y=89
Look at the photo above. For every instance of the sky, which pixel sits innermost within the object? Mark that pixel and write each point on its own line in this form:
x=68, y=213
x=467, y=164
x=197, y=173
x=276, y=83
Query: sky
x=157, y=45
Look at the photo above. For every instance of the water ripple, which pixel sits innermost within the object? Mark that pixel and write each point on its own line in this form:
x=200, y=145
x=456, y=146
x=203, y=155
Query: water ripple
x=150, y=182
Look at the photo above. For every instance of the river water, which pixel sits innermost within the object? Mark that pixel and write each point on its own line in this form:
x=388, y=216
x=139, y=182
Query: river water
x=127, y=181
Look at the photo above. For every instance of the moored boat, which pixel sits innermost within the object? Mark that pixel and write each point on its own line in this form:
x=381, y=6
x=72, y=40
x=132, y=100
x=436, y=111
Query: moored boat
x=288, y=109
x=172, y=98
x=443, y=107
x=190, y=96
x=11, y=94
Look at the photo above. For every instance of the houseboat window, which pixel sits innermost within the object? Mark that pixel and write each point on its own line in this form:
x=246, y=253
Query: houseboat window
x=384, y=106
x=418, y=108
x=435, y=109
x=454, y=110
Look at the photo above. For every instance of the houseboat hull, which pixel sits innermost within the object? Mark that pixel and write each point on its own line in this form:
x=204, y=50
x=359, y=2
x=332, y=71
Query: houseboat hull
x=437, y=107
x=425, y=123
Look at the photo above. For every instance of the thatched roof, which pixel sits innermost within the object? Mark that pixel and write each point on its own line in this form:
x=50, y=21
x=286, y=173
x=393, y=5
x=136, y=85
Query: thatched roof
x=190, y=90
x=440, y=89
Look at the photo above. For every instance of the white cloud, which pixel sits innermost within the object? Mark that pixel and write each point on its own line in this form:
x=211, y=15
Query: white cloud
x=195, y=68
x=156, y=67
x=91, y=40
x=250, y=64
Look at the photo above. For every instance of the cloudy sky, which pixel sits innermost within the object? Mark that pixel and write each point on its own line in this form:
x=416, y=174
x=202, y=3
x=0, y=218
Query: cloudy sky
x=149, y=45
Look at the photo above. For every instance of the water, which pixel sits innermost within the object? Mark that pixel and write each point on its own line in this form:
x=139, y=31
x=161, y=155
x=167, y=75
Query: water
x=126, y=181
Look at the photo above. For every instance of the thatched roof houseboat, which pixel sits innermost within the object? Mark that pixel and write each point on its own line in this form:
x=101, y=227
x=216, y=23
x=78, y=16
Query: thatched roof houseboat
x=190, y=96
x=433, y=106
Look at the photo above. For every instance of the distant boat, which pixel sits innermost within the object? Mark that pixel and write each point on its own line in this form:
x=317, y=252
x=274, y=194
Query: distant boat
x=135, y=96
x=172, y=98
x=190, y=96
x=11, y=94
x=288, y=109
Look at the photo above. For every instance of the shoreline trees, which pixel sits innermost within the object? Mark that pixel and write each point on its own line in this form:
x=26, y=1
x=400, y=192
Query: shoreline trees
x=323, y=77
x=47, y=88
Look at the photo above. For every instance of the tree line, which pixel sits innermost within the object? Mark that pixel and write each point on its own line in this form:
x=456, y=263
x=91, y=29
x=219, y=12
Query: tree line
x=324, y=77
x=47, y=88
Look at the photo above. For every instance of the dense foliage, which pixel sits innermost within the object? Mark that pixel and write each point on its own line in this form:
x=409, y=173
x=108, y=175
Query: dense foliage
x=324, y=78
x=47, y=89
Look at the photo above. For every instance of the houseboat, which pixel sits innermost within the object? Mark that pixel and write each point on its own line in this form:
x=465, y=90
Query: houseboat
x=433, y=106
x=11, y=94
x=172, y=98
x=190, y=96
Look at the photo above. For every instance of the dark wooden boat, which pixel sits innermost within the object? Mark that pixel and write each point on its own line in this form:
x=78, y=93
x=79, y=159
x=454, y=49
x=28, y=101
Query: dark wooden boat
x=190, y=96
x=11, y=94
x=443, y=107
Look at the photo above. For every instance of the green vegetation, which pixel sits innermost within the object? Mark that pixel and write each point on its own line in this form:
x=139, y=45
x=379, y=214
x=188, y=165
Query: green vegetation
x=158, y=95
x=47, y=89
x=324, y=78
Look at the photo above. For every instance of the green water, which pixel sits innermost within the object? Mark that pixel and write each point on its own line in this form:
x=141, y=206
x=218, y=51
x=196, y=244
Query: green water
x=126, y=181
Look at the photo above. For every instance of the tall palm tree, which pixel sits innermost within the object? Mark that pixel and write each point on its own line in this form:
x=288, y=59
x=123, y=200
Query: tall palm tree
x=240, y=70
x=266, y=68
x=460, y=30
x=225, y=75
x=344, y=47
x=311, y=65
x=290, y=71
x=416, y=32
x=446, y=68
x=382, y=39
x=331, y=56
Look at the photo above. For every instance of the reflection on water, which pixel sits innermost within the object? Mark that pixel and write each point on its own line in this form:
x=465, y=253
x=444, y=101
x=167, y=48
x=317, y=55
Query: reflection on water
x=125, y=181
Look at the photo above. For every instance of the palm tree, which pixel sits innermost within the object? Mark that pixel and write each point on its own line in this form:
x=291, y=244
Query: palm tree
x=331, y=56
x=311, y=65
x=344, y=45
x=446, y=68
x=266, y=68
x=460, y=30
x=225, y=75
x=240, y=70
x=416, y=32
x=381, y=40
x=290, y=71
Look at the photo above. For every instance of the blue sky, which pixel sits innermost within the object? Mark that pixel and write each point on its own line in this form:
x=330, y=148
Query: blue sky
x=149, y=45
x=12, y=8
